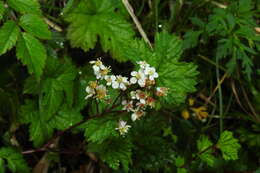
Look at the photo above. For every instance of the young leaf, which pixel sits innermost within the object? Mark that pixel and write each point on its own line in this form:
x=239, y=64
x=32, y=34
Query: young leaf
x=205, y=154
x=91, y=20
x=15, y=161
x=35, y=25
x=228, y=145
x=32, y=53
x=9, y=33
x=25, y=6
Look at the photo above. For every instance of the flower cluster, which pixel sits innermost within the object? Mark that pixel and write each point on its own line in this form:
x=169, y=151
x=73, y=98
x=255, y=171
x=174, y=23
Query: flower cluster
x=140, y=89
x=145, y=76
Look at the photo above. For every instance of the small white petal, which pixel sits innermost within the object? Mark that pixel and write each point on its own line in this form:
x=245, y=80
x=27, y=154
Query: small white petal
x=133, y=80
x=133, y=73
x=133, y=117
x=141, y=83
x=115, y=85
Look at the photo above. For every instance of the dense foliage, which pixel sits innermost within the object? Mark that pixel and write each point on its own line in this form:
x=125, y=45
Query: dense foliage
x=129, y=86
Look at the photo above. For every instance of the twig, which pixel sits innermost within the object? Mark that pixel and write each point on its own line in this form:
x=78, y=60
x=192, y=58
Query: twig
x=216, y=88
x=137, y=23
x=219, y=4
x=53, y=25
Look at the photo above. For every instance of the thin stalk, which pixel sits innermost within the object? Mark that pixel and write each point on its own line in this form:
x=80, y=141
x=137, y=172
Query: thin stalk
x=220, y=97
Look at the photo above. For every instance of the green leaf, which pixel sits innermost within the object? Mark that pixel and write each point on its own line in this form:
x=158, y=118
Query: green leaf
x=32, y=53
x=114, y=152
x=25, y=6
x=2, y=165
x=2, y=10
x=15, y=161
x=9, y=33
x=182, y=170
x=92, y=20
x=66, y=118
x=35, y=25
x=205, y=154
x=179, y=161
x=52, y=98
x=28, y=112
x=94, y=132
x=191, y=39
x=228, y=145
x=39, y=129
x=179, y=77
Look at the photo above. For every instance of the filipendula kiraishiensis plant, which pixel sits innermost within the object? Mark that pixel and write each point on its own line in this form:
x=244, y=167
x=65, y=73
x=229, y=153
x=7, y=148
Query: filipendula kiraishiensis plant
x=118, y=115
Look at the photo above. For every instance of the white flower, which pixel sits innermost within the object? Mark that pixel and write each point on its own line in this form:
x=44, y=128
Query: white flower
x=141, y=96
x=120, y=82
x=123, y=127
x=101, y=92
x=98, y=65
x=110, y=79
x=143, y=64
x=128, y=105
x=102, y=73
x=90, y=89
x=137, y=115
x=138, y=77
x=138, y=95
x=91, y=92
x=151, y=72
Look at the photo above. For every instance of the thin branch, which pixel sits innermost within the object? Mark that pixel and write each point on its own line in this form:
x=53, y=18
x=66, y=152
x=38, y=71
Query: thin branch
x=48, y=145
x=53, y=25
x=137, y=23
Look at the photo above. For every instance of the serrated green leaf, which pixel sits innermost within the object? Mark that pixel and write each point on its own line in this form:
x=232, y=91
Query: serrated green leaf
x=40, y=131
x=9, y=33
x=203, y=145
x=92, y=20
x=191, y=39
x=32, y=53
x=66, y=118
x=35, y=25
x=15, y=161
x=28, y=112
x=114, y=152
x=99, y=129
x=52, y=98
x=32, y=86
x=25, y=6
x=2, y=10
x=228, y=145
